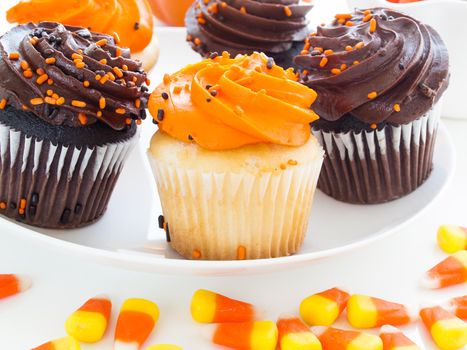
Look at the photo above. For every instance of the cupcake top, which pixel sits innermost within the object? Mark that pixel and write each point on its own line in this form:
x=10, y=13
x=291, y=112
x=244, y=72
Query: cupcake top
x=375, y=65
x=70, y=76
x=131, y=19
x=245, y=26
x=223, y=103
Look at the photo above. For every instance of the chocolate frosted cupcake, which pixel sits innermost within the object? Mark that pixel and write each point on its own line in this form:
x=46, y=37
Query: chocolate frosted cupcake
x=379, y=75
x=275, y=27
x=69, y=104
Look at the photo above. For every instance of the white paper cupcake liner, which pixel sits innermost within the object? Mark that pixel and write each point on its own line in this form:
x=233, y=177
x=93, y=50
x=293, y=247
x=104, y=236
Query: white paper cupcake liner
x=56, y=186
x=378, y=166
x=229, y=216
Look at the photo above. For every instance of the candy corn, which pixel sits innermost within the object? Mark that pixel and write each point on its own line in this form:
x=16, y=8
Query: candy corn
x=89, y=323
x=13, y=284
x=450, y=271
x=324, y=308
x=294, y=335
x=164, y=347
x=459, y=307
x=135, y=323
x=447, y=331
x=66, y=343
x=209, y=307
x=339, y=339
x=394, y=339
x=452, y=238
x=369, y=312
x=258, y=335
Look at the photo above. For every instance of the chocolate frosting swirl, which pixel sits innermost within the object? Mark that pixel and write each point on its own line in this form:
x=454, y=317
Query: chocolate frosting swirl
x=384, y=67
x=70, y=76
x=245, y=26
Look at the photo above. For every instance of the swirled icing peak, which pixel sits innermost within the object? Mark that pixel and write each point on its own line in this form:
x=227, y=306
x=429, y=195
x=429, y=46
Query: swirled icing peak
x=376, y=65
x=70, y=76
x=223, y=103
x=131, y=19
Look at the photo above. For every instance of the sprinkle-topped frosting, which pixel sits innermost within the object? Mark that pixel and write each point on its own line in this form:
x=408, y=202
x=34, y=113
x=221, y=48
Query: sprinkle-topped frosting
x=129, y=21
x=70, y=76
x=245, y=26
x=375, y=65
x=223, y=103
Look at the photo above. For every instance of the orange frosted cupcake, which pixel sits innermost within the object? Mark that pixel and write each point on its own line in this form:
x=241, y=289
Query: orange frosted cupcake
x=130, y=22
x=234, y=160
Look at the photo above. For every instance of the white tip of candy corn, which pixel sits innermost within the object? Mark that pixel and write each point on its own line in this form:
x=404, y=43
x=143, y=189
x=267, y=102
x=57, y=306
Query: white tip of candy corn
x=388, y=329
x=24, y=282
x=318, y=330
x=119, y=345
x=429, y=282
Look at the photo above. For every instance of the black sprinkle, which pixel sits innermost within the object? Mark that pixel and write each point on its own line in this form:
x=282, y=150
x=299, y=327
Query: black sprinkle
x=213, y=93
x=155, y=121
x=52, y=38
x=401, y=66
x=136, y=25
x=167, y=233
x=65, y=216
x=100, y=72
x=165, y=96
x=58, y=41
x=13, y=205
x=270, y=63
x=32, y=210
x=34, y=198
x=208, y=100
x=190, y=137
x=384, y=17
x=161, y=221
x=315, y=53
x=143, y=114
x=78, y=208
x=144, y=88
x=213, y=55
x=208, y=86
x=160, y=114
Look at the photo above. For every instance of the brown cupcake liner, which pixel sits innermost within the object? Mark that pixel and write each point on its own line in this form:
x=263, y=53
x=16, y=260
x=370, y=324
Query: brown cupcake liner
x=56, y=186
x=370, y=167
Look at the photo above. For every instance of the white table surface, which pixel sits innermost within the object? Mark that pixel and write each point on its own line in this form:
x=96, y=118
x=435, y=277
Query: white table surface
x=389, y=268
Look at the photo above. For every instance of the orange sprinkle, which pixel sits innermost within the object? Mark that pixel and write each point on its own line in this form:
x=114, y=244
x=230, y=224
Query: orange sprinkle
x=80, y=51
x=167, y=79
x=343, y=16
x=99, y=114
x=50, y=100
x=49, y=92
x=42, y=79
x=80, y=64
x=33, y=41
x=104, y=79
x=2, y=205
x=292, y=162
x=356, y=62
x=201, y=20
x=24, y=65
x=323, y=62
x=373, y=126
x=102, y=103
x=349, y=24
x=348, y=48
x=128, y=121
x=366, y=12
x=14, y=56
x=111, y=76
x=372, y=25
x=341, y=21
x=86, y=83
x=137, y=103
x=397, y=107
x=343, y=66
x=196, y=254
x=60, y=101
x=223, y=4
x=283, y=166
x=103, y=61
x=22, y=203
x=55, y=96
x=77, y=56
x=98, y=77
x=177, y=89
x=372, y=95
x=197, y=41
x=124, y=67
x=24, y=107
x=304, y=52
x=82, y=118
x=118, y=52
x=360, y=45
x=367, y=17
x=328, y=52
x=118, y=72
x=336, y=71
x=241, y=253
x=50, y=60
x=21, y=210
x=139, y=122
x=77, y=103
x=116, y=37
x=36, y=101
x=320, y=49
x=243, y=9
x=101, y=42
x=28, y=73
x=3, y=103
x=214, y=8
x=288, y=11
x=50, y=82
x=120, y=111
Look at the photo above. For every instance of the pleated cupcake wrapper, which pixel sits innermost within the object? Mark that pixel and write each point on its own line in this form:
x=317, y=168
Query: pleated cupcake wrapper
x=381, y=165
x=56, y=186
x=229, y=216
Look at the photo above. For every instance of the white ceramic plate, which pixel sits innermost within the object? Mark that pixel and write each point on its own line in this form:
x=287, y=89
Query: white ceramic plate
x=128, y=236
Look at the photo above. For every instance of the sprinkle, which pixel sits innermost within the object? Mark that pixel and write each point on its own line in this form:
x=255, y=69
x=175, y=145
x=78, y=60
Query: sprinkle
x=323, y=62
x=98, y=77
x=328, y=52
x=128, y=121
x=167, y=79
x=270, y=63
x=373, y=126
x=86, y=83
x=397, y=107
x=213, y=55
x=60, y=101
x=320, y=49
x=348, y=48
x=288, y=11
x=101, y=42
x=36, y=101
x=104, y=79
x=196, y=254
x=223, y=4
x=368, y=17
x=139, y=122
x=356, y=62
x=241, y=253
x=117, y=72
x=28, y=73
x=14, y=56
x=213, y=93
x=76, y=56
x=82, y=118
x=22, y=203
x=40, y=71
x=102, y=103
x=80, y=64
x=103, y=61
x=3, y=103
x=341, y=21
x=77, y=103
x=99, y=114
x=50, y=60
x=49, y=92
x=55, y=96
x=372, y=25
x=366, y=12
x=118, y=51
x=197, y=41
x=137, y=103
x=24, y=107
x=124, y=67
x=116, y=37
x=50, y=82
x=24, y=65
x=50, y=100
x=292, y=162
x=336, y=71
x=343, y=66
x=360, y=45
x=147, y=81
x=201, y=20
x=120, y=110
x=283, y=166
x=42, y=79
x=177, y=90
x=343, y=16
x=2, y=205
x=33, y=41
x=136, y=26
x=165, y=96
x=349, y=24
x=372, y=95
x=243, y=9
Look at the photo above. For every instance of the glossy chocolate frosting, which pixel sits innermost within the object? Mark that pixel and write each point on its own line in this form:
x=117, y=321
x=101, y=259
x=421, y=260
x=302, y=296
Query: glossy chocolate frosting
x=403, y=61
x=245, y=26
x=72, y=93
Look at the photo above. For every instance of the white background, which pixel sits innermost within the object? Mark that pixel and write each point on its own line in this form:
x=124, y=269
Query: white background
x=390, y=269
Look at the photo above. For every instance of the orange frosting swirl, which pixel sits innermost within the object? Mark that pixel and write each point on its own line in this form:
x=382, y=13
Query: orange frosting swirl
x=223, y=103
x=130, y=19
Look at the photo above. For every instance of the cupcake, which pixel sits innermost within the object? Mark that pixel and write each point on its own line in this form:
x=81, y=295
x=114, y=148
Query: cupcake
x=276, y=28
x=69, y=105
x=234, y=160
x=130, y=22
x=380, y=76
